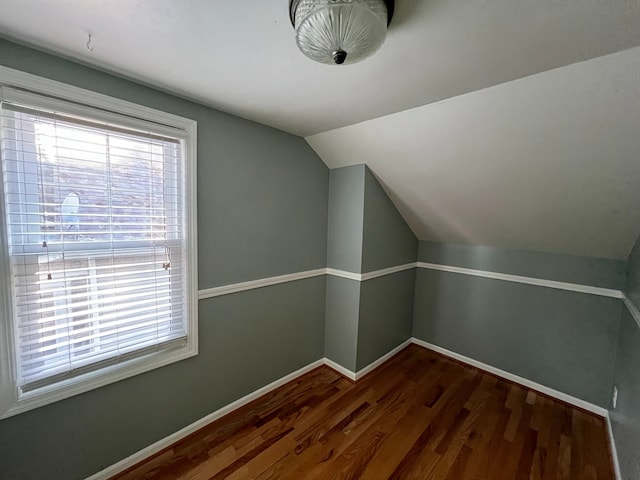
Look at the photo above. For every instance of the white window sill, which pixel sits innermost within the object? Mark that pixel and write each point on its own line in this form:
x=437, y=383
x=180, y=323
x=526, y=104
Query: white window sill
x=97, y=379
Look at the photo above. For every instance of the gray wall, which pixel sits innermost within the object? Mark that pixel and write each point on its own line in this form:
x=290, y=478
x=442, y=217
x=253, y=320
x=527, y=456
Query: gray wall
x=262, y=211
x=365, y=320
x=596, y=272
x=346, y=206
x=344, y=252
x=633, y=274
x=262, y=202
x=564, y=340
x=387, y=239
x=386, y=303
x=342, y=315
x=386, y=313
x=625, y=418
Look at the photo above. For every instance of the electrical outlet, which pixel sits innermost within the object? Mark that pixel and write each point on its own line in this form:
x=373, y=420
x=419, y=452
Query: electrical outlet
x=614, y=400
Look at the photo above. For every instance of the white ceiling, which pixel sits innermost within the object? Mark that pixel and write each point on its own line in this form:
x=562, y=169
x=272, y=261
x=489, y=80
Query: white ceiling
x=545, y=163
x=241, y=57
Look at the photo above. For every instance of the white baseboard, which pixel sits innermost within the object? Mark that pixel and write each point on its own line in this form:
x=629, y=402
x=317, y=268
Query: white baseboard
x=375, y=364
x=340, y=369
x=576, y=402
x=612, y=446
x=355, y=376
x=145, y=453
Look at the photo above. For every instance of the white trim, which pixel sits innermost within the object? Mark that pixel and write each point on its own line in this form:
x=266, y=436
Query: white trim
x=387, y=271
x=355, y=376
x=632, y=310
x=376, y=363
x=590, y=407
x=263, y=282
x=291, y=277
x=574, y=287
x=340, y=369
x=612, y=446
x=17, y=78
x=344, y=274
x=156, y=447
x=99, y=378
x=8, y=387
x=190, y=152
x=363, y=277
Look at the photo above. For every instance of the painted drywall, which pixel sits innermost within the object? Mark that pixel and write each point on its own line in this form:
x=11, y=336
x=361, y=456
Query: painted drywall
x=386, y=314
x=365, y=320
x=596, y=272
x=387, y=239
x=341, y=328
x=346, y=206
x=632, y=288
x=262, y=203
x=561, y=339
x=386, y=303
x=625, y=418
x=262, y=211
x=344, y=252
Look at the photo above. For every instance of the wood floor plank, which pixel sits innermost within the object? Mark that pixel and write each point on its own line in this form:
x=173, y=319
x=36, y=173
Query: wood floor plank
x=564, y=458
x=457, y=469
x=419, y=416
x=553, y=427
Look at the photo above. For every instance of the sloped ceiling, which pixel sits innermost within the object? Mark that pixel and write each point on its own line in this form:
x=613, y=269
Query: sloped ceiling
x=550, y=162
x=476, y=116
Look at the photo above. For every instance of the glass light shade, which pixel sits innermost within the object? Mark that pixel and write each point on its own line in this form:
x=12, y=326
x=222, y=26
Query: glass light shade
x=340, y=31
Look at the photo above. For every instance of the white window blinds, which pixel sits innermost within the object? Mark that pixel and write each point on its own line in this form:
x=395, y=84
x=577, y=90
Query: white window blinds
x=95, y=226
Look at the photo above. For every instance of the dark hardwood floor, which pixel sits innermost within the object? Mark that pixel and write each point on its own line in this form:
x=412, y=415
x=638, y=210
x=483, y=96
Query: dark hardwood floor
x=419, y=416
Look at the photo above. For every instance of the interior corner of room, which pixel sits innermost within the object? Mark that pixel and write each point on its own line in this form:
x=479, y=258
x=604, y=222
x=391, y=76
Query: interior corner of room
x=498, y=225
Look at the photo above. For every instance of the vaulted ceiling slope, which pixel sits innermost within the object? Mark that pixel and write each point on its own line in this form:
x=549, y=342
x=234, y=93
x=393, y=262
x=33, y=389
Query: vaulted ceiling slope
x=509, y=123
x=550, y=162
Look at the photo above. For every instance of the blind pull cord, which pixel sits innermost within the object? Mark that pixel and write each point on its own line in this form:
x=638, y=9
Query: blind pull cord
x=45, y=245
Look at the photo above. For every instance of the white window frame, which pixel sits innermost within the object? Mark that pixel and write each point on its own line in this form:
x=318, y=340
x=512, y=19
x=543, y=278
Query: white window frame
x=13, y=403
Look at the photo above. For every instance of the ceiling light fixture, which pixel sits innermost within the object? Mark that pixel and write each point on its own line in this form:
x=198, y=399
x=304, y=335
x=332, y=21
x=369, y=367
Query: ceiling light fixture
x=340, y=32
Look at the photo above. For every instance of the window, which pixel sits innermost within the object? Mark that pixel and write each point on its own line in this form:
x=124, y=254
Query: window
x=99, y=243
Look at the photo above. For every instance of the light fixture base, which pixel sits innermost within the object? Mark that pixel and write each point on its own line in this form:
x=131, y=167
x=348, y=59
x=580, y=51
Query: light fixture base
x=293, y=5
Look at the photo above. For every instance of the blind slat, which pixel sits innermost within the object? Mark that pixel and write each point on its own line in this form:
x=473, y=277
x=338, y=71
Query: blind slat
x=29, y=293
x=139, y=287
x=146, y=322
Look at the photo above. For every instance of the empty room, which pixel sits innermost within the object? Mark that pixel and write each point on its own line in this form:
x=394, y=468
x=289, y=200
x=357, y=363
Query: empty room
x=319, y=239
